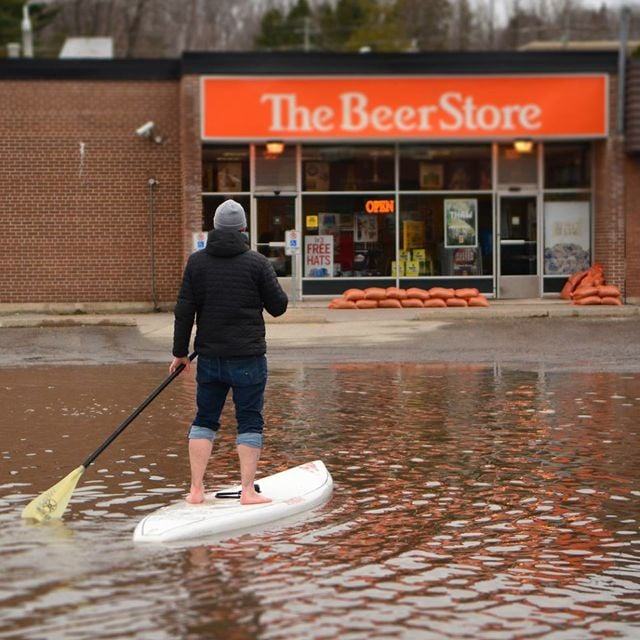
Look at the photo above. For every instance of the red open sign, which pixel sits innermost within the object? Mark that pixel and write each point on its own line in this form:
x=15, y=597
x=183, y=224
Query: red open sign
x=380, y=206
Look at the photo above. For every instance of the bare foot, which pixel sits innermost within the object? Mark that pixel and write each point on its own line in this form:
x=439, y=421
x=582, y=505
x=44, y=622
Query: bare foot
x=196, y=495
x=251, y=497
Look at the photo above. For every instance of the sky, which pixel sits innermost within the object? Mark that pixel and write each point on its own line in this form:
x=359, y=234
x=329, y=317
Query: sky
x=501, y=6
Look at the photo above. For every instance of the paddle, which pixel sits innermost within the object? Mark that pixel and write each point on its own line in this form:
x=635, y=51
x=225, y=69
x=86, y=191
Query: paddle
x=52, y=503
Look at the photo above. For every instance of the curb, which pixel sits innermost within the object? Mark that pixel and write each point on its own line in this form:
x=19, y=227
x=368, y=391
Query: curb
x=326, y=316
x=65, y=321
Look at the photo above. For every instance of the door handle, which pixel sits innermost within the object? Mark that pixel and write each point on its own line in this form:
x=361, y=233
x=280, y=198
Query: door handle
x=513, y=241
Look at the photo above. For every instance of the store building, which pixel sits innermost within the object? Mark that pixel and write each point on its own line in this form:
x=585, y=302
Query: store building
x=503, y=171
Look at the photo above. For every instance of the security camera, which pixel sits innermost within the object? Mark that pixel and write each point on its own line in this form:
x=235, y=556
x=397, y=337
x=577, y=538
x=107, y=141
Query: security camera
x=146, y=129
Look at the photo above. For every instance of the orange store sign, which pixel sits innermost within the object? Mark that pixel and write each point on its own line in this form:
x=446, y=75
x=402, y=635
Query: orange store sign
x=447, y=107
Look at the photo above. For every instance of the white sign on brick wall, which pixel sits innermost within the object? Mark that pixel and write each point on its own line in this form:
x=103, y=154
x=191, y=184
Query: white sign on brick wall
x=199, y=240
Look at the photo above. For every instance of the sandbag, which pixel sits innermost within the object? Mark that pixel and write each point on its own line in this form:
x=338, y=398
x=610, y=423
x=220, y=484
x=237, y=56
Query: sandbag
x=389, y=303
x=612, y=300
x=588, y=300
x=375, y=293
x=353, y=295
x=456, y=302
x=341, y=303
x=584, y=292
x=420, y=294
x=608, y=291
x=567, y=290
x=573, y=282
x=396, y=294
x=412, y=303
x=441, y=292
x=366, y=304
x=466, y=293
x=434, y=302
x=478, y=301
x=594, y=277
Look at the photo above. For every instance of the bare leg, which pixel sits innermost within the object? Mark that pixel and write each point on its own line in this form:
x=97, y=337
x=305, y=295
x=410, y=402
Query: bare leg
x=249, y=457
x=199, y=452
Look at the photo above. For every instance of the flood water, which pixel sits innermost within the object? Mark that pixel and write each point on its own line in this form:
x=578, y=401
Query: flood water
x=469, y=502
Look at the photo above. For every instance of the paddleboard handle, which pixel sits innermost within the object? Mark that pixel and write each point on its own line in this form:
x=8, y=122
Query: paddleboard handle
x=234, y=495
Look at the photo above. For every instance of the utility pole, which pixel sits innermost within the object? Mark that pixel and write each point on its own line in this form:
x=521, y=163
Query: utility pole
x=27, y=32
x=307, y=33
x=491, y=24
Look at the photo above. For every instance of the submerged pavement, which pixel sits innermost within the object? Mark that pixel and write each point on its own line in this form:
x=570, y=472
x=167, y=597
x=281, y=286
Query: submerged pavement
x=543, y=335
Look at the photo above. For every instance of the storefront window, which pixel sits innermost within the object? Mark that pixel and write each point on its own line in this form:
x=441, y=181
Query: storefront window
x=348, y=236
x=275, y=171
x=567, y=233
x=211, y=203
x=274, y=216
x=348, y=168
x=445, y=167
x=567, y=166
x=517, y=167
x=225, y=169
x=446, y=235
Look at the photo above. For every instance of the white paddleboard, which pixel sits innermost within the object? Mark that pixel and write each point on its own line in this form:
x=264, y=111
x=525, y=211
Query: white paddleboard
x=292, y=492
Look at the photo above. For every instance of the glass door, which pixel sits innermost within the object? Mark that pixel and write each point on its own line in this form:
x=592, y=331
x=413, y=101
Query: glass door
x=518, y=247
x=274, y=216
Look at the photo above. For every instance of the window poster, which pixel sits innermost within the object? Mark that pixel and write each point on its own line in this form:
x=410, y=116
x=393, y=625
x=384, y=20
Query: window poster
x=229, y=176
x=328, y=223
x=365, y=228
x=318, y=256
x=460, y=223
x=316, y=176
x=567, y=237
x=431, y=175
x=413, y=234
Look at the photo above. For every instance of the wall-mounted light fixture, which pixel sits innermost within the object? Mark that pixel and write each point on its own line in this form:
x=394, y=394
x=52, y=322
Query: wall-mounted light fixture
x=523, y=146
x=275, y=147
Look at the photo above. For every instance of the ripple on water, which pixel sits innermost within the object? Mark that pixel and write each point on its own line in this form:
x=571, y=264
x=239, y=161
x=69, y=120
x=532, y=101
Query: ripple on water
x=468, y=502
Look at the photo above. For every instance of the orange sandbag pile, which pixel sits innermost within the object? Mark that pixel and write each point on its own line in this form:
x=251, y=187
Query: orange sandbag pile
x=589, y=287
x=412, y=298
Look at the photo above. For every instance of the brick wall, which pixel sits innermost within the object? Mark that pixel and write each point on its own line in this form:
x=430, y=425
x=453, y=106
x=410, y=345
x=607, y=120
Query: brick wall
x=77, y=230
x=609, y=185
x=191, y=160
x=632, y=181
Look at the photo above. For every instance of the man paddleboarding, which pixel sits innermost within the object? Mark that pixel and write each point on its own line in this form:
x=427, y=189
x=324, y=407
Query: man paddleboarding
x=225, y=288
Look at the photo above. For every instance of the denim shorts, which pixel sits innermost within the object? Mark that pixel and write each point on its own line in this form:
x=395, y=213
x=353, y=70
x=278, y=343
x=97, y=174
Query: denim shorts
x=247, y=377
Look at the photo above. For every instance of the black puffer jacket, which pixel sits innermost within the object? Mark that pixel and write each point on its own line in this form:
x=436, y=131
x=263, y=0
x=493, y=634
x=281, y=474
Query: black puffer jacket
x=225, y=288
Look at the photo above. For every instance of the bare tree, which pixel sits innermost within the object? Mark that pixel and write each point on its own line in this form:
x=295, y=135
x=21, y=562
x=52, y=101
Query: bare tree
x=158, y=27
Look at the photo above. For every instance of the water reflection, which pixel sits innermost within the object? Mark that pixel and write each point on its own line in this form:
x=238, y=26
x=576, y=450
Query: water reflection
x=469, y=502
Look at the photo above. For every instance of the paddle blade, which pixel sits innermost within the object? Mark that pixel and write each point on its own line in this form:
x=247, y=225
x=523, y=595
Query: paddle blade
x=51, y=504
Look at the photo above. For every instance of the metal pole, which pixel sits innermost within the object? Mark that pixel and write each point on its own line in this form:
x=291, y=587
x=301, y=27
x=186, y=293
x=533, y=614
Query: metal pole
x=27, y=33
x=307, y=42
x=153, y=183
x=294, y=281
x=625, y=14
x=491, y=24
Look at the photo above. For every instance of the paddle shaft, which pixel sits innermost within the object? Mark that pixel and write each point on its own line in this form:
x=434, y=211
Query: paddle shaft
x=150, y=398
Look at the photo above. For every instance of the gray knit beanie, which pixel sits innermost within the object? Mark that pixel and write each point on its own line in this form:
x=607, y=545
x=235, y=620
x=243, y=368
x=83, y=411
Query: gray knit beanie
x=230, y=216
